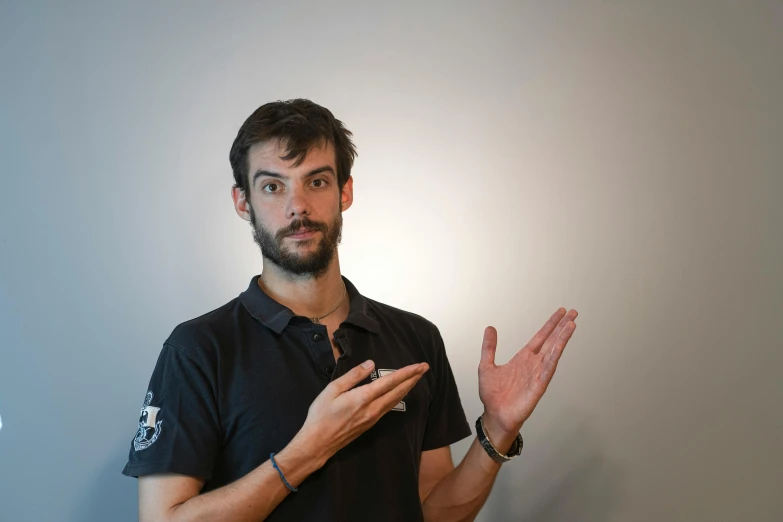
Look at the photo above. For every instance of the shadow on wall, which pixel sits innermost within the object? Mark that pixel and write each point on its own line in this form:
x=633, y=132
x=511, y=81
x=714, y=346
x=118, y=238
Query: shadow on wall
x=110, y=496
x=569, y=479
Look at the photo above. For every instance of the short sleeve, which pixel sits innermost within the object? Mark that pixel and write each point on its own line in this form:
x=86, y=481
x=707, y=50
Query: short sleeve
x=446, y=423
x=179, y=428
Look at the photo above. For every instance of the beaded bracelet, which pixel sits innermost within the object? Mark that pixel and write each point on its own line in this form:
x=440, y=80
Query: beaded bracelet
x=274, y=465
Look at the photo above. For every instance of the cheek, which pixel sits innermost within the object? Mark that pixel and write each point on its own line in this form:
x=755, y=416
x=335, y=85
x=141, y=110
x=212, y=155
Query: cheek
x=268, y=213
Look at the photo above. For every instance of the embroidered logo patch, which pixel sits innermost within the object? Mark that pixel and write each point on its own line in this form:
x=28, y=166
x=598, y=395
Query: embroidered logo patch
x=377, y=374
x=149, y=426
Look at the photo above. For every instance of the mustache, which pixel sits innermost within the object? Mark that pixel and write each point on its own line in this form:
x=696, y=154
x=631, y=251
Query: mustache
x=294, y=227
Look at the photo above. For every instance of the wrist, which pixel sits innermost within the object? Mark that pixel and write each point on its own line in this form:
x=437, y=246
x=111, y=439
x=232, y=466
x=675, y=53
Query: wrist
x=300, y=458
x=500, y=436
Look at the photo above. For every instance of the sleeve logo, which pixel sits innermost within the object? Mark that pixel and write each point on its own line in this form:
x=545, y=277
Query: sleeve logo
x=149, y=426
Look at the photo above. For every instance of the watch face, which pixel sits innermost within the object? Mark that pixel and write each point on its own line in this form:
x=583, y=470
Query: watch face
x=516, y=448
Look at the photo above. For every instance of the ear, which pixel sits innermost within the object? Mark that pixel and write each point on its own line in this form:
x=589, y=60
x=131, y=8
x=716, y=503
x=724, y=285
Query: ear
x=241, y=205
x=346, y=196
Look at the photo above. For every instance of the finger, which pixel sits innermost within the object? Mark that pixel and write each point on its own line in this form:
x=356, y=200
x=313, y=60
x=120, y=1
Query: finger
x=393, y=397
x=537, y=341
x=388, y=382
x=552, y=356
x=488, y=346
x=551, y=330
x=352, y=377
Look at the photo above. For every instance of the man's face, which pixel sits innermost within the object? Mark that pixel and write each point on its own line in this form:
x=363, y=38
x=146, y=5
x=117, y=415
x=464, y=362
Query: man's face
x=296, y=211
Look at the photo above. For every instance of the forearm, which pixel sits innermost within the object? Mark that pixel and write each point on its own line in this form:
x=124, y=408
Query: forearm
x=461, y=494
x=257, y=494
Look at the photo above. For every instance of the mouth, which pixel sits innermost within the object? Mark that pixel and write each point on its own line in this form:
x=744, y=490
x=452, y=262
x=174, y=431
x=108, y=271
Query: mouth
x=302, y=233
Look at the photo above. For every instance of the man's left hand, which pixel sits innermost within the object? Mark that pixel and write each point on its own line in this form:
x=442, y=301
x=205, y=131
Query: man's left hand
x=511, y=391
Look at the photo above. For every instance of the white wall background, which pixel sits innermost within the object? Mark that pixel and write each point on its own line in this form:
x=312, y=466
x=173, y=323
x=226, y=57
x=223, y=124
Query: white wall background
x=621, y=158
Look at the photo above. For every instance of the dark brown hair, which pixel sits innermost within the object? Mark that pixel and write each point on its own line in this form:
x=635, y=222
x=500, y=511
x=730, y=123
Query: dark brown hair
x=300, y=125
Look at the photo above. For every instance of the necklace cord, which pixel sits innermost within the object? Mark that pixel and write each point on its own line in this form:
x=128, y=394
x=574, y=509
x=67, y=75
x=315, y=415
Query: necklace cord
x=317, y=320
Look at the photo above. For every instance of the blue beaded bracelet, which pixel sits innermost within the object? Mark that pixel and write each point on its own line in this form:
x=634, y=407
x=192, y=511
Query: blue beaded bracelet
x=274, y=465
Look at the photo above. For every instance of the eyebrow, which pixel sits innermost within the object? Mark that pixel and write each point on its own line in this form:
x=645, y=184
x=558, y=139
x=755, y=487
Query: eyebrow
x=270, y=174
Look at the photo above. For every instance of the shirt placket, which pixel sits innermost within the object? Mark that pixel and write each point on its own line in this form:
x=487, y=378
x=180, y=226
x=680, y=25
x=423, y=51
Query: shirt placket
x=321, y=351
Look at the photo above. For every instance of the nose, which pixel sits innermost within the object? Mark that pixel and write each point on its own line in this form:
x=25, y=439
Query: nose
x=297, y=204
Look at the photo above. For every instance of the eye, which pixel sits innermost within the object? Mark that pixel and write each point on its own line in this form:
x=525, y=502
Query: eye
x=270, y=187
x=318, y=183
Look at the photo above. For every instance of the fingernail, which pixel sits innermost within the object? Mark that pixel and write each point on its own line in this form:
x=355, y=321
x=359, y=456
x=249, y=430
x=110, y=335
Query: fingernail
x=367, y=364
x=424, y=366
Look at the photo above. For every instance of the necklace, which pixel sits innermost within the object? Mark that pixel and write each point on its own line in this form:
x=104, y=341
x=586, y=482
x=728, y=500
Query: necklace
x=317, y=320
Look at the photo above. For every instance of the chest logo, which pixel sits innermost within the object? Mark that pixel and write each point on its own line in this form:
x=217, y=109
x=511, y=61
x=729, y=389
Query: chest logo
x=377, y=374
x=149, y=426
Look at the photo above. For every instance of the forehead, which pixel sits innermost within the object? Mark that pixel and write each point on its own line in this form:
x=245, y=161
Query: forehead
x=267, y=156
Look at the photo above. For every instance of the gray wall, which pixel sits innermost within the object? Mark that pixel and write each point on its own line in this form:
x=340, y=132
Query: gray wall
x=624, y=159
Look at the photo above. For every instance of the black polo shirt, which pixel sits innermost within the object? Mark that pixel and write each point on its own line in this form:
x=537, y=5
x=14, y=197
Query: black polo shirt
x=234, y=385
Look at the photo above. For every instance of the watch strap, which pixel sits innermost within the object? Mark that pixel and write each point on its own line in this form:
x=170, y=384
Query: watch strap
x=516, y=447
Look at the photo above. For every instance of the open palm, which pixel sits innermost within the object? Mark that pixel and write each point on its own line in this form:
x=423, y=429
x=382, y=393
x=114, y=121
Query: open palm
x=511, y=391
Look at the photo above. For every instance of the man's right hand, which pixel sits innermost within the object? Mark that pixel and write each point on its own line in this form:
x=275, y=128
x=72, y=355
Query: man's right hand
x=342, y=412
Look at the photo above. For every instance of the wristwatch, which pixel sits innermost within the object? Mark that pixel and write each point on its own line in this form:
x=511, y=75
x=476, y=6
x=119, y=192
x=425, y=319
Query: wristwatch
x=516, y=447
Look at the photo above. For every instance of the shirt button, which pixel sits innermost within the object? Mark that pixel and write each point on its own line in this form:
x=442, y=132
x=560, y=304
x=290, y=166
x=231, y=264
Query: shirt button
x=328, y=369
x=317, y=337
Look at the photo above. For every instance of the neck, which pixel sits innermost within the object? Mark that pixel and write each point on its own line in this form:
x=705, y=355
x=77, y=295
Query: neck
x=306, y=295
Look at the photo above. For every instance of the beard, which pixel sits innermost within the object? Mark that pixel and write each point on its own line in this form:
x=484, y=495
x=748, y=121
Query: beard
x=311, y=264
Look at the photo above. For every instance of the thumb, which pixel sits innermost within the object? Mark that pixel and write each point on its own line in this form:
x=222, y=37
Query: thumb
x=353, y=377
x=488, y=346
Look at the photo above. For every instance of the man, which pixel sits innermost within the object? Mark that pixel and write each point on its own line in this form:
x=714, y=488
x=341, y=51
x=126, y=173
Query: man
x=301, y=399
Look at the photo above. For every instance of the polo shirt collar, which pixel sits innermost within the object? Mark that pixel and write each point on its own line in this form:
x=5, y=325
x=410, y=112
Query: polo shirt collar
x=276, y=317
